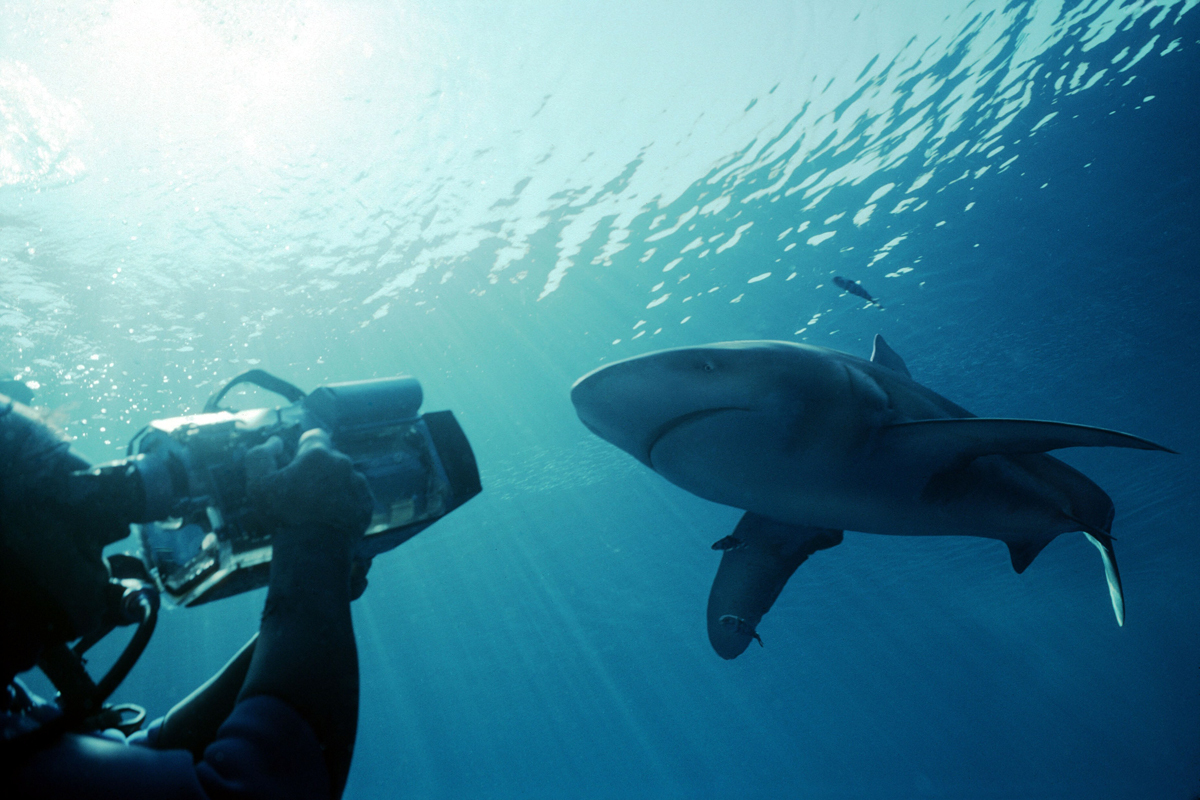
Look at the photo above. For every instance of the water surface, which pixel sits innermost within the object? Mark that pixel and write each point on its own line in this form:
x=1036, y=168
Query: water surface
x=499, y=197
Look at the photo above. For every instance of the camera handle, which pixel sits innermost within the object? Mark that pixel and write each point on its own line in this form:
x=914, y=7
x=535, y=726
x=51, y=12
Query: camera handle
x=260, y=378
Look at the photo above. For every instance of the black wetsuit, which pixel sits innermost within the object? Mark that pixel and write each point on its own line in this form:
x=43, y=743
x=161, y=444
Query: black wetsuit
x=265, y=747
x=263, y=750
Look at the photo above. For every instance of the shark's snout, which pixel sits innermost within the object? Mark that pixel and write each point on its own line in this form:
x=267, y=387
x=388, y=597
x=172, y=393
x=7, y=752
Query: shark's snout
x=603, y=406
x=590, y=427
x=638, y=403
x=588, y=402
x=582, y=391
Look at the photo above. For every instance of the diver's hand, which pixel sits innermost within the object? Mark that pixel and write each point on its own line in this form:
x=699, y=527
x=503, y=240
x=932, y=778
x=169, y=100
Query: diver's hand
x=306, y=655
x=319, y=489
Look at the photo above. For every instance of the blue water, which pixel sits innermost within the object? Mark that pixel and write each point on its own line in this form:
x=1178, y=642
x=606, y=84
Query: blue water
x=497, y=198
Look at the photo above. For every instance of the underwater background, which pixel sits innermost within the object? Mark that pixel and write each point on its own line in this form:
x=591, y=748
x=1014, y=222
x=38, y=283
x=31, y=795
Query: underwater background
x=497, y=197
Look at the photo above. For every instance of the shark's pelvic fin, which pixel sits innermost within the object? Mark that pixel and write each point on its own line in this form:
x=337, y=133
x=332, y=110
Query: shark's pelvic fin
x=950, y=442
x=885, y=356
x=752, y=575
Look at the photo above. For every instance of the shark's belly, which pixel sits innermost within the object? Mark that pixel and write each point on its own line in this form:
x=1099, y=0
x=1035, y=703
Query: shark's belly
x=993, y=497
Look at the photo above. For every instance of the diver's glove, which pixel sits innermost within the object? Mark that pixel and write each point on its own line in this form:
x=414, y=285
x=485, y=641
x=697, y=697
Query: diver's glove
x=319, y=494
x=319, y=488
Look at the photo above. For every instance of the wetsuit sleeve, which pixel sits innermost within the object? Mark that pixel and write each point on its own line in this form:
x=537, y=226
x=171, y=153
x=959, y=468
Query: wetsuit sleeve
x=264, y=751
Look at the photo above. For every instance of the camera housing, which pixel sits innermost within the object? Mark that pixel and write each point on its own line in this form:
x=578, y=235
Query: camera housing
x=201, y=538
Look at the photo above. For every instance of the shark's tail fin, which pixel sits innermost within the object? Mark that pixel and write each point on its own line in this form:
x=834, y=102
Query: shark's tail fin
x=1103, y=541
x=1089, y=509
x=1092, y=510
x=1024, y=552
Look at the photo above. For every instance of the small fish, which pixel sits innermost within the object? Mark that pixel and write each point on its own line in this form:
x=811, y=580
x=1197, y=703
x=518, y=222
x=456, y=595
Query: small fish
x=853, y=287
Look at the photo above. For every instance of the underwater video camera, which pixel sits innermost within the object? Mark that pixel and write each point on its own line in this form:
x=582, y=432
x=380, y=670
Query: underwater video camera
x=183, y=481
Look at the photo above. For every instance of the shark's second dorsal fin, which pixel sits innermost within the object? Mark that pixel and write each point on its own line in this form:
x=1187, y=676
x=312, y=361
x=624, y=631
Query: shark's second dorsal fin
x=753, y=572
x=885, y=356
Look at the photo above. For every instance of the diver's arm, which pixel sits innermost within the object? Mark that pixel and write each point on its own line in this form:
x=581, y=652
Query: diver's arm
x=265, y=751
x=306, y=655
x=193, y=722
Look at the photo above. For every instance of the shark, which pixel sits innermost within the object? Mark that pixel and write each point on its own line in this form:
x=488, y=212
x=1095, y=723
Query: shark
x=811, y=442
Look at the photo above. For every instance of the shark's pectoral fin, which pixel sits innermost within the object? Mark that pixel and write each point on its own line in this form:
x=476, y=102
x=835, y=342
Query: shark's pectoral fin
x=946, y=443
x=752, y=575
x=885, y=356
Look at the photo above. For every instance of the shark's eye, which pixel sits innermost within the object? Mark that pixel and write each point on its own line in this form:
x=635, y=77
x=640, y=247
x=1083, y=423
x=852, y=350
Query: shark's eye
x=708, y=366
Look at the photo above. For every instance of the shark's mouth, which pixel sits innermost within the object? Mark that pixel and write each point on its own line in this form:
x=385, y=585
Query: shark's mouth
x=671, y=425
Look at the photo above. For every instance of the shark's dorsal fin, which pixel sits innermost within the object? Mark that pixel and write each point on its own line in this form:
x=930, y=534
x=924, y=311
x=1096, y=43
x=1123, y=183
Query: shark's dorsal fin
x=752, y=574
x=945, y=443
x=885, y=356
